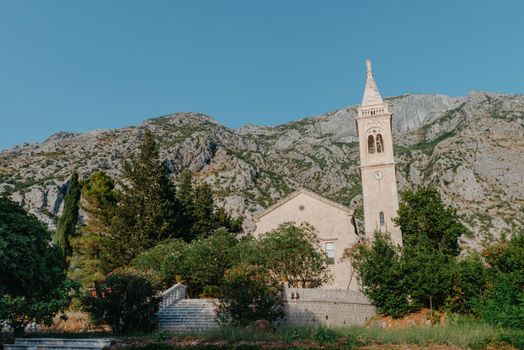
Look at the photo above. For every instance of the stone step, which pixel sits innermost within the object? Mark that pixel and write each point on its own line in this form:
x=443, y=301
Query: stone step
x=179, y=312
x=64, y=341
x=50, y=347
x=58, y=344
x=188, y=315
x=182, y=318
x=186, y=329
x=186, y=323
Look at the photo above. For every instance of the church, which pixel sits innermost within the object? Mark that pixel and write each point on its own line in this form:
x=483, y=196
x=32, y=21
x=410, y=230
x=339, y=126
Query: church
x=334, y=223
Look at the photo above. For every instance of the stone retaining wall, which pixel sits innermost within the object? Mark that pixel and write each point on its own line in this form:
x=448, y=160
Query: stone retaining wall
x=305, y=306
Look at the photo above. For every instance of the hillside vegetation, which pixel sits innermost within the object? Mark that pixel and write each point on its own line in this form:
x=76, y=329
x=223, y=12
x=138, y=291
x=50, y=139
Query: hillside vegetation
x=469, y=147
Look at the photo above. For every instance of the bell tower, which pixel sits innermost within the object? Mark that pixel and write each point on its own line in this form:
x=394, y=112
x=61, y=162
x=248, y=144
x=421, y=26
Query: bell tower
x=377, y=163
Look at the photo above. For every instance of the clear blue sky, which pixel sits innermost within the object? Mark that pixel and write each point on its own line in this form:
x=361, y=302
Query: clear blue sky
x=82, y=65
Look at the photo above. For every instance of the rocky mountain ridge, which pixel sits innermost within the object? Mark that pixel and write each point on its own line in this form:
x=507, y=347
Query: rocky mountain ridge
x=470, y=147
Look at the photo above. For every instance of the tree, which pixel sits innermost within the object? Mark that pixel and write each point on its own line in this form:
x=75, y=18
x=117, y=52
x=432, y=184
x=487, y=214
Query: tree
x=185, y=194
x=204, y=212
x=503, y=302
x=379, y=266
x=249, y=294
x=66, y=227
x=199, y=216
x=205, y=261
x=126, y=301
x=292, y=254
x=199, y=265
x=224, y=220
x=469, y=282
x=99, y=201
x=164, y=260
x=423, y=272
x=33, y=283
x=147, y=210
x=425, y=220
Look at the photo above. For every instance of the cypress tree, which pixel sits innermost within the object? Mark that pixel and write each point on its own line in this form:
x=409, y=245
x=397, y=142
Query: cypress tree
x=67, y=223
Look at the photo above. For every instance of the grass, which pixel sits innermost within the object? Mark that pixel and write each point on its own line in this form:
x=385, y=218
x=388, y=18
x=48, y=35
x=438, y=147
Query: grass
x=461, y=332
x=465, y=335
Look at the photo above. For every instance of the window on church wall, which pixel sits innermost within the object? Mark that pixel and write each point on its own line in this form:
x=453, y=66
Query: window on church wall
x=330, y=252
x=381, y=218
x=371, y=144
x=380, y=144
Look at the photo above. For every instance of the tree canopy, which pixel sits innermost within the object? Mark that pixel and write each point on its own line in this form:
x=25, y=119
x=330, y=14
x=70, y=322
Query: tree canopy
x=33, y=283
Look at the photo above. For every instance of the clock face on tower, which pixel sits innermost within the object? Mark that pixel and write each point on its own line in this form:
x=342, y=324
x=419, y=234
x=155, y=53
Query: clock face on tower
x=378, y=175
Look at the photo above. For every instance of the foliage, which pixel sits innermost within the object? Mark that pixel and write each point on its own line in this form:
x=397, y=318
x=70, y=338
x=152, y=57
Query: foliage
x=427, y=275
x=292, y=253
x=200, y=217
x=203, y=212
x=325, y=335
x=98, y=201
x=125, y=301
x=468, y=285
x=249, y=294
x=185, y=197
x=164, y=260
x=33, y=284
x=503, y=302
x=147, y=212
x=66, y=227
x=380, y=268
x=200, y=265
x=206, y=260
x=425, y=221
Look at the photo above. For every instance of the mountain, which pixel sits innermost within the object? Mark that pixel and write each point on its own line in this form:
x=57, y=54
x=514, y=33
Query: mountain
x=471, y=148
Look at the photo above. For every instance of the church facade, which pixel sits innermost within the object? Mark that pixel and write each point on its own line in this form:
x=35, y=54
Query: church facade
x=335, y=223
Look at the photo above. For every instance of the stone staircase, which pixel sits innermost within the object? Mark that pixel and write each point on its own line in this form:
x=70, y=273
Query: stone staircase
x=57, y=344
x=188, y=315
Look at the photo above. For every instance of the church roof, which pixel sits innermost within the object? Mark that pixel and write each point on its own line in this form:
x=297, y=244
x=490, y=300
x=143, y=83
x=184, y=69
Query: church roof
x=371, y=93
x=307, y=193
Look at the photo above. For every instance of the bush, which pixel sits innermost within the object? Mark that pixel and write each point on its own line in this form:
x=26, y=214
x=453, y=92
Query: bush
x=249, y=294
x=200, y=264
x=469, y=282
x=325, y=335
x=125, y=301
x=163, y=260
x=503, y=302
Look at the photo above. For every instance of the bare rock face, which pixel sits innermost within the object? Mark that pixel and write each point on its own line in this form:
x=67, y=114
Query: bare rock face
x=471, y=148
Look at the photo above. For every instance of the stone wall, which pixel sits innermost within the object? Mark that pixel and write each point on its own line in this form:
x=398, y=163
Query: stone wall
x=304, y=306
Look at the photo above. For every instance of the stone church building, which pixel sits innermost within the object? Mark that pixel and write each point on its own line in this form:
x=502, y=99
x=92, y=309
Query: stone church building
x=335, y=223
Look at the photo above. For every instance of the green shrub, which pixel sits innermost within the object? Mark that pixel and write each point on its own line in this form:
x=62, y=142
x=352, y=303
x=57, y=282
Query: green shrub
x=249, y=294
x=503, y=301
x=125, y=301
x=325, y=335
x=503, y=304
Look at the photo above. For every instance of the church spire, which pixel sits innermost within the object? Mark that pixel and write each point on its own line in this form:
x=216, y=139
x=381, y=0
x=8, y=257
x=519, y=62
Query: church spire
x=371, y=94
